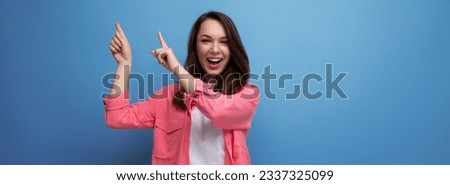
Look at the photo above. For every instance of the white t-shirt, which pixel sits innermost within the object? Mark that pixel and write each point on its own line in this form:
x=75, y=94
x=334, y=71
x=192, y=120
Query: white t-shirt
x=207, y=145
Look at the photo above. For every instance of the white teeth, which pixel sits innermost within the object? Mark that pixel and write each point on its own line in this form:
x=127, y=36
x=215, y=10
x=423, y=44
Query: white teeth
x=215, y=59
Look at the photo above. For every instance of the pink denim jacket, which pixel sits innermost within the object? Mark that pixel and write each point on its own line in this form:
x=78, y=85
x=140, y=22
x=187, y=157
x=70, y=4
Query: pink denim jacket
x=172, y=126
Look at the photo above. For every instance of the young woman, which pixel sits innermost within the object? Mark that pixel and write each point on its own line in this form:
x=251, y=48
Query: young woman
x=202, y=119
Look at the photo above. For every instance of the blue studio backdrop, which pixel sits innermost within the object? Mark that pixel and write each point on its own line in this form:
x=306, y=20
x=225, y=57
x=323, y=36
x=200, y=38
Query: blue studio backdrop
x=377, y=75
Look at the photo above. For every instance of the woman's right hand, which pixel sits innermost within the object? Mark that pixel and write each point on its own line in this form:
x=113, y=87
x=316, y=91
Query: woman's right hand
x=120, y=47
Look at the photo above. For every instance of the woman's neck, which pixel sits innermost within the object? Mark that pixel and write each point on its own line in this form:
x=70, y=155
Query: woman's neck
x=211, y=79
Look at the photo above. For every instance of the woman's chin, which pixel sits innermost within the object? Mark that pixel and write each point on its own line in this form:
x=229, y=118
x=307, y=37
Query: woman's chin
x=213, y=72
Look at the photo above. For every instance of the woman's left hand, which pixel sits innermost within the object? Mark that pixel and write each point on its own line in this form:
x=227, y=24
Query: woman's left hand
x=166, y=57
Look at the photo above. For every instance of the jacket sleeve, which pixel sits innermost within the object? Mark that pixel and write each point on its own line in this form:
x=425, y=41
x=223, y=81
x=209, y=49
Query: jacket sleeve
x=225, y=111
x=119, y=114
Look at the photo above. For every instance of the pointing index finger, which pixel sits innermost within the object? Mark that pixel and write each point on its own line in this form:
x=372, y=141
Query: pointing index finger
x=161, y=39
x=118, y=27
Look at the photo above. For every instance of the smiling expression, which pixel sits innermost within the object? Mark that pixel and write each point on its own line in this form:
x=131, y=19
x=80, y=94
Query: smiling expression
x=212, y=47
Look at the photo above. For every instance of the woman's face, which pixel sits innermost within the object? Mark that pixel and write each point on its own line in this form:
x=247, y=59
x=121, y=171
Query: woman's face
x=212, y=47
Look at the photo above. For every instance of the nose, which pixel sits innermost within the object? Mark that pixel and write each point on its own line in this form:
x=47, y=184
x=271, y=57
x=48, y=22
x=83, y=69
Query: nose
x=215, y=49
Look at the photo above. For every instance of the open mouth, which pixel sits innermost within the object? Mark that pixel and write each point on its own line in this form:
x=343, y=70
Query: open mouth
x=214, y=60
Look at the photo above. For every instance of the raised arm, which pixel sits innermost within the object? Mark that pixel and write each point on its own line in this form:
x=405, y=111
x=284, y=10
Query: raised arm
x=121, y=51
x=118, y=111
x=225, y=111
x=166, y=57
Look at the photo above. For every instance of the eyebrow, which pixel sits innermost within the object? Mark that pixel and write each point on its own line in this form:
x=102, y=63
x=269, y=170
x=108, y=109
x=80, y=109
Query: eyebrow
x=205, y=35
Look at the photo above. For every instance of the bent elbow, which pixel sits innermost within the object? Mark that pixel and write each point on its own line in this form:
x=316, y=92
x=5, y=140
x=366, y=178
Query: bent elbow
x=113, y=121
x=111, y=124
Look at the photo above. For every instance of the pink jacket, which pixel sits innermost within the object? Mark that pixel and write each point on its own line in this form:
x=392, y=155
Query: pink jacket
x=172, y=126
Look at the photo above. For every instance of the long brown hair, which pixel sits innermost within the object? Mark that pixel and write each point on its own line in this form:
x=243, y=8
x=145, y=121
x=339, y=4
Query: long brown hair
x=235, y=75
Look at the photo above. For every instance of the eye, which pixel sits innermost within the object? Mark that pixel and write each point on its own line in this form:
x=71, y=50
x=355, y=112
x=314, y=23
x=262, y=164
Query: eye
x=205, y=40
x=225, y=42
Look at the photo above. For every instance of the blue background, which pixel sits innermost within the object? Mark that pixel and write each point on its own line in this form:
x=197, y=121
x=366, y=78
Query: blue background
x=397, y=55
